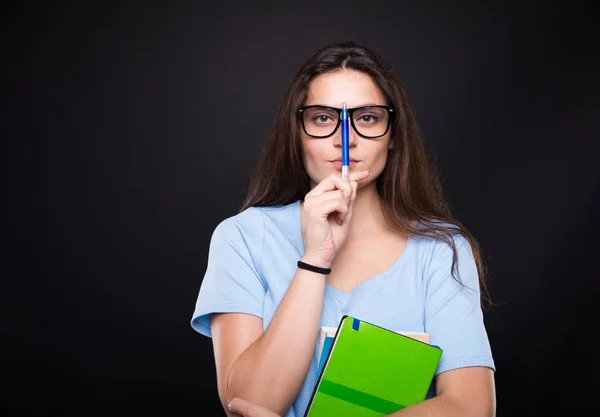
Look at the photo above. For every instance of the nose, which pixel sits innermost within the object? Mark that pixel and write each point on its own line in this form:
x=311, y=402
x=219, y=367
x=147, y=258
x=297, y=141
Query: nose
x=352, y=135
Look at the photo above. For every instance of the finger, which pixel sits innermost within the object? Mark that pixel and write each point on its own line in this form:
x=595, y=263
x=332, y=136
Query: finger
x=248, y=409
x=341, y=216
x=320, y=205
x=239, y=406
x=352, y=199
x=316, y=200
x=323, y=210
x=360, y=175
x=348, y=214
x=333, y=182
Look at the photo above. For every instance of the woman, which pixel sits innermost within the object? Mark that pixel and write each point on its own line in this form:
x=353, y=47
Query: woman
x=382, y=247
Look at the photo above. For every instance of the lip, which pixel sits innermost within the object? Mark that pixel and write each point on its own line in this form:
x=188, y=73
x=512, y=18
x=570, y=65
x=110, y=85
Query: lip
x=337, y=163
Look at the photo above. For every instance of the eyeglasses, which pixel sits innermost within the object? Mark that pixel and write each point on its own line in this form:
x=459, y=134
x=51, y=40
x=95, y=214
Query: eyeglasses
x=367, y=121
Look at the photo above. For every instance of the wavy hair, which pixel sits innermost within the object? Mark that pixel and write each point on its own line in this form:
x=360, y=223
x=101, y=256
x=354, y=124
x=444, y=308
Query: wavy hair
x=410, y=190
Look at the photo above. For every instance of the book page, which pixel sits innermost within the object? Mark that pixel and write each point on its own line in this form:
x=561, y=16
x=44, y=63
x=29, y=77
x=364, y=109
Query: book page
x=330, y=331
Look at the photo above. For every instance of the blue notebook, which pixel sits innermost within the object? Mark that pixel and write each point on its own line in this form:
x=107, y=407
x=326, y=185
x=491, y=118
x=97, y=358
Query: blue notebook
x=325, y=351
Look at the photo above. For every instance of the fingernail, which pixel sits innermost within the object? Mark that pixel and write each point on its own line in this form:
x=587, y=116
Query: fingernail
x=229, y=406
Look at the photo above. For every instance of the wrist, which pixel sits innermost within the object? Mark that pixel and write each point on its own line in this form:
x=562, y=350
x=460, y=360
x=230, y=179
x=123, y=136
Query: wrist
x=315, y=260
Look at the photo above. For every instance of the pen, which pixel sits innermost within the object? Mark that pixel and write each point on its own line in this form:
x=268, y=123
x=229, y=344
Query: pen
x=345, y=150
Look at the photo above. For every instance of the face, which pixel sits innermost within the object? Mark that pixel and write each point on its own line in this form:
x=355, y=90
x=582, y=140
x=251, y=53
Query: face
x=322, y=156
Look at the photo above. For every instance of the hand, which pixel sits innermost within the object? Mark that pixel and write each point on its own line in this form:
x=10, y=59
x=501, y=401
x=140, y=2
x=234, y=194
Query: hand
x=327, y=213
x=248, y=409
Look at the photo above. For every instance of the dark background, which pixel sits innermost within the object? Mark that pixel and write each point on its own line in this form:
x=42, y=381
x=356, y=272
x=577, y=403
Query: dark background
x=129, y=131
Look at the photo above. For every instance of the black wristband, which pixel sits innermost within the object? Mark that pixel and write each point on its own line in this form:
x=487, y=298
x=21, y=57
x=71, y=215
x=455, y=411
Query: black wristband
x=324, y=271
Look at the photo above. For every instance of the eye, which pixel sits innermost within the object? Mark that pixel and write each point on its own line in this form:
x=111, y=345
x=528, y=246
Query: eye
x=368, y=119
x=322, y=119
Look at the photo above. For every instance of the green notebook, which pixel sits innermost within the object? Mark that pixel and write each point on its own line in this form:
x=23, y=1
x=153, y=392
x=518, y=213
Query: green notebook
x=372, y=371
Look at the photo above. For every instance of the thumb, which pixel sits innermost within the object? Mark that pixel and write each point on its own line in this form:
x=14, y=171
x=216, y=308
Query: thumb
x=248, y=409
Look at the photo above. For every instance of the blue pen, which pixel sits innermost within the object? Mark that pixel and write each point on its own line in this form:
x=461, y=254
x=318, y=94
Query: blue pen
x=345, y=147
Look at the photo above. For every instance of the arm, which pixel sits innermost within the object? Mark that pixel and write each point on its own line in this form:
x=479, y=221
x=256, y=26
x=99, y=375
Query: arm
x=268, y=368
x=464, y=392
x=465, y=385
x=453, y=316
x=259, y=366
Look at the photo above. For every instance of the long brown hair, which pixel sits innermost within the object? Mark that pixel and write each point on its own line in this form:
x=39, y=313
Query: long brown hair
x=409, y=188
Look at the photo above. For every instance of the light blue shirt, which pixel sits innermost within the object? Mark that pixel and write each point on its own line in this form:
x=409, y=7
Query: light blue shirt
x=252, y=260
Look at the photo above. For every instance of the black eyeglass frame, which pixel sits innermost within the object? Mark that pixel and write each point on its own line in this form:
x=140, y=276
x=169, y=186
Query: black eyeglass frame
x=389, y=109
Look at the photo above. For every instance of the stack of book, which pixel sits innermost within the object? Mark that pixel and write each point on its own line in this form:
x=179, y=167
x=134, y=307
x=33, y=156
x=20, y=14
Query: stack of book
x=366, y=370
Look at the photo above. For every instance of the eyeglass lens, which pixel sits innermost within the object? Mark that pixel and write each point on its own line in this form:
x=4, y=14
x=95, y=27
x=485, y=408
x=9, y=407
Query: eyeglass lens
x=368, y=121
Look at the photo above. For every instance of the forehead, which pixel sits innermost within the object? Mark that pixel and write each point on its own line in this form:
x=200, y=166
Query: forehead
x=353, y=87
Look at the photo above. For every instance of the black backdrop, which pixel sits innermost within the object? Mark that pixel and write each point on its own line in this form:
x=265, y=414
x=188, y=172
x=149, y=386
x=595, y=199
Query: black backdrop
x=129, y=133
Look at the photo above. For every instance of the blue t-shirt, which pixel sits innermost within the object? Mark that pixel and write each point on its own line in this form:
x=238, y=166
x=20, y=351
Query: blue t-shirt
x=252, y=260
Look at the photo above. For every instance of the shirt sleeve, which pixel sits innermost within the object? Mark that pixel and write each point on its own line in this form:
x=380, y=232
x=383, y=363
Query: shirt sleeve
x=453, y=314
x=232, y=282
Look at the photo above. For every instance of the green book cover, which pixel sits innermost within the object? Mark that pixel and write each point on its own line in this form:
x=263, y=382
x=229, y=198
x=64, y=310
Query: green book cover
x=372, y=371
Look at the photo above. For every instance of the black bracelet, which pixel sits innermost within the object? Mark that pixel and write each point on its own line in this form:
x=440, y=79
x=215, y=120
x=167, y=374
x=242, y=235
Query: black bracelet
x=324, y=271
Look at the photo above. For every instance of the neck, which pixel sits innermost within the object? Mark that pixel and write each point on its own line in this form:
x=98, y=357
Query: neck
x=367, y=216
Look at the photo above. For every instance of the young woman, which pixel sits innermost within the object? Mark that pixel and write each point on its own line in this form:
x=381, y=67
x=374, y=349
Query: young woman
x=384, y=243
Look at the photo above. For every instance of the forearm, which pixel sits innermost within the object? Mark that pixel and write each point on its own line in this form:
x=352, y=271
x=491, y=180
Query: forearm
x=271, y=371
x=446, y=406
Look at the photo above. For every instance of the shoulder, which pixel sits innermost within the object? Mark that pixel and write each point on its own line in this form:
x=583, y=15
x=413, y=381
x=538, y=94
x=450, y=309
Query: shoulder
x=441, y=237
x=443, y=245
x=281, y=213
x=251, y=223
x=244, y=226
